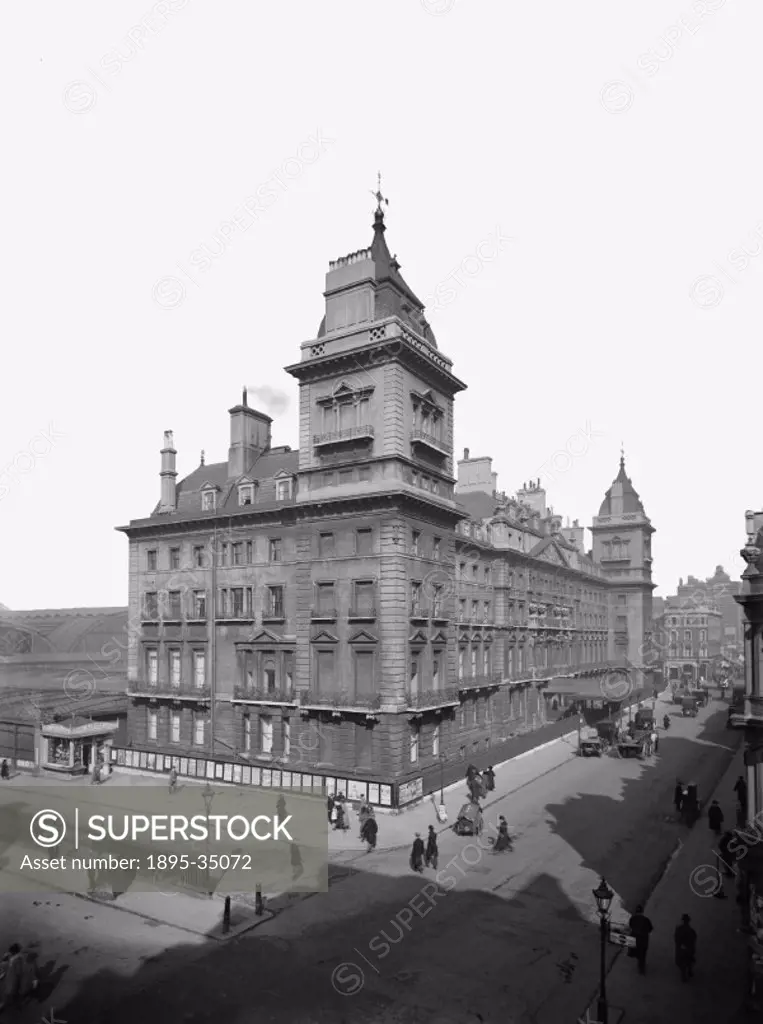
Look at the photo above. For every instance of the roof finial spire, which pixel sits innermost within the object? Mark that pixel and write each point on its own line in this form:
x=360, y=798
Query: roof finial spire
x=202, y=456
x=381, y=201
x=622, y=455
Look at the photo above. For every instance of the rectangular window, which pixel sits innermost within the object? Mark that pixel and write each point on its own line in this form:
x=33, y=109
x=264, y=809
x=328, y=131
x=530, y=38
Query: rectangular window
x=437, y=602
x=174, y=558
x=436, y=741
x=224, y=604
x=364, y=674
x=436, y=668
x=288, y=671
x=474, y=661
x=238, y=602
x=413, y=689
x=283, y=490
x=346, y=415
x=198, y=730
x=275, y=602
x=328, y=479
x=237, y=551
x=475, y=611
x=247, y=737
x=486, y=612
x=174, y=726
x=415, y=542
x=151, y=561
x=199, y=669
x=152, y=666
x=268, y=659
x=225, y=554
x=274, y=549
x=208, y=501
x=364, y=474
x=248, y=603
x=475, y=573
x=487, y=575
x=325, y=594
x=151, y=605
x=246, y=494
x=486, y=661
x=436, y=547
x=345, y=476
x=462, y=609
x=326, y=545
x=174, y=605
x=462, y=570
x=200, y=604
x=286, y=736
x=364, y=542
x=175, y=668
x=461, y=662
x=325, y=671
x=364, y=597
x=249, y=552
x=198, y=556
x=415, y=598
x=414, y=743
x=266, y=734
x=152, y=724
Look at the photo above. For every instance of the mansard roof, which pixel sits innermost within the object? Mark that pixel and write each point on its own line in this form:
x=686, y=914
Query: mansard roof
x=621, y=488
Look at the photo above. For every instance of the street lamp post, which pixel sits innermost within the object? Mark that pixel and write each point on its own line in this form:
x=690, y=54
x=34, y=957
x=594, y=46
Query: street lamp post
x=603, y=896
x=442, y=814
x=207, y=795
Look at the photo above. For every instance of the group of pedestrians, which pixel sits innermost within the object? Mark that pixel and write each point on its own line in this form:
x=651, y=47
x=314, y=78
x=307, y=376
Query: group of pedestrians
x=684, y=943
x=18, y=973
x=424, y=855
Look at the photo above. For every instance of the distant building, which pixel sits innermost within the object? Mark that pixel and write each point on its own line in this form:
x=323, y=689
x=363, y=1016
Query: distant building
x=720, y=591
x=691, y=640
x=351, y=614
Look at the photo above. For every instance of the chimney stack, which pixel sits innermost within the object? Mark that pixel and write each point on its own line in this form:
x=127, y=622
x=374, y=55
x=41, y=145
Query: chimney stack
x=466, y=453
x=249, y=437
x=168, y=474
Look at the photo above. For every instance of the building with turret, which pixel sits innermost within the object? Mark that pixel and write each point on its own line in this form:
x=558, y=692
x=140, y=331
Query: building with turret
x=358, y=615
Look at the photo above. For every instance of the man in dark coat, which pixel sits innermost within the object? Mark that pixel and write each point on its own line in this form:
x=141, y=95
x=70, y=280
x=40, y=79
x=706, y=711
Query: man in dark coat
x=678, y=796
x=715, y=817
x=330, y=807
x=417, y=854
x=641, y=928
x=741, y=791
x=368, y=832
x=490, y=779
x=685, y=941
x=431, y=855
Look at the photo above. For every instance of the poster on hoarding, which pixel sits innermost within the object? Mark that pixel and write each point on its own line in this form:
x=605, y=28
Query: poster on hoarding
x=151, y=763
x=176, y=763
x=385, y=796
x=276, y=780
x=219, y=771
x=191, y=768
x=246, y=775
x=237, y=774
x=296, y=780
x=410, y=791
x=330, y=785
x=210, y=769
x=373, y=792
x=143, y=762
x=228, y=773
x=307, y=782
x=120, y=757
x=256, y=772
x=267, y=776
x=286, y=780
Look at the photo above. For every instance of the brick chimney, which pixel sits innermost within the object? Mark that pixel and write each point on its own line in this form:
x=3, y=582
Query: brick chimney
x=250, y=435
x=168, y=474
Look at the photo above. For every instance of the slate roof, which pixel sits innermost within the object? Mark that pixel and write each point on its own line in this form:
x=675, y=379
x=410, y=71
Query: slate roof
x=273, y=463
x=622, y=485
x=60, y=632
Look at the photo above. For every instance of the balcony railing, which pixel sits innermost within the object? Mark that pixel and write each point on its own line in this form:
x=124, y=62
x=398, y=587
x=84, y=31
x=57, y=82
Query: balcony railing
x=339, y=699
x=423, y=437
x=365, y=432
x=425, y=699
x=479, y=682
x=183, y=691
x=323, y=614
x=263, y=695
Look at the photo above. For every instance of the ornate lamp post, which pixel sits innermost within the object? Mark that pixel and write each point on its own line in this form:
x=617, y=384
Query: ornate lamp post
x=603, y=896
x=442, y=813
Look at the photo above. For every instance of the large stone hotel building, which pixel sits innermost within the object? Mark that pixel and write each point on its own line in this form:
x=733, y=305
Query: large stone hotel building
x=354, y=614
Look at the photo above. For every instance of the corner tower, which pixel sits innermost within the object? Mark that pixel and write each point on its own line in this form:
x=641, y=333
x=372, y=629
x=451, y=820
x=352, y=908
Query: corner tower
x=622, y=546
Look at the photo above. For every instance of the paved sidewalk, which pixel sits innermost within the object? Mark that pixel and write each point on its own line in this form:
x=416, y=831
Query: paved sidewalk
x=718, y=988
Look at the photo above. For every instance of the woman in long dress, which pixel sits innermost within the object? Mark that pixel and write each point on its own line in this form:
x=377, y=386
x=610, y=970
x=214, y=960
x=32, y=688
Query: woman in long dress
x=417, y=854
x=503, y=842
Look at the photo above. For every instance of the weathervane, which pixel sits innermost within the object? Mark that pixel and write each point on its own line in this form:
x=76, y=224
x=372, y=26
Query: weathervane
x=378, y=194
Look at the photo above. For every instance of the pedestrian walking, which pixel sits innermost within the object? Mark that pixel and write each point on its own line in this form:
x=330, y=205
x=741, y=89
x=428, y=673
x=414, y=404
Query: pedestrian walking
x=715, y=817
x=678, y=796
x=431, y=855
x=723, y=851
x=740, y=789
x=5, y=771
x=173, y=781
x=655, y=741
x=281, y=808
x=641, y=928
x=490, y=779
x=685, y=942
x=503, y=842
x=330, y=809
x=369, y=831
x=12, y=980
x=417, y=854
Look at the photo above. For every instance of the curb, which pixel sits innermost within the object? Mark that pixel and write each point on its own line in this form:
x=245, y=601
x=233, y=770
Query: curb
x=234, y=933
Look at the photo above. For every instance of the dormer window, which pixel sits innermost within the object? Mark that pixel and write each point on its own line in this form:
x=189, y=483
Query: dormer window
x=284, y=488
x=246, y=493
x=208, y=500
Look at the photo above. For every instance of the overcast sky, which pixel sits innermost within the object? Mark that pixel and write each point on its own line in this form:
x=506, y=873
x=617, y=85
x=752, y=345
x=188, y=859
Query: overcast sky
x=603, y=160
